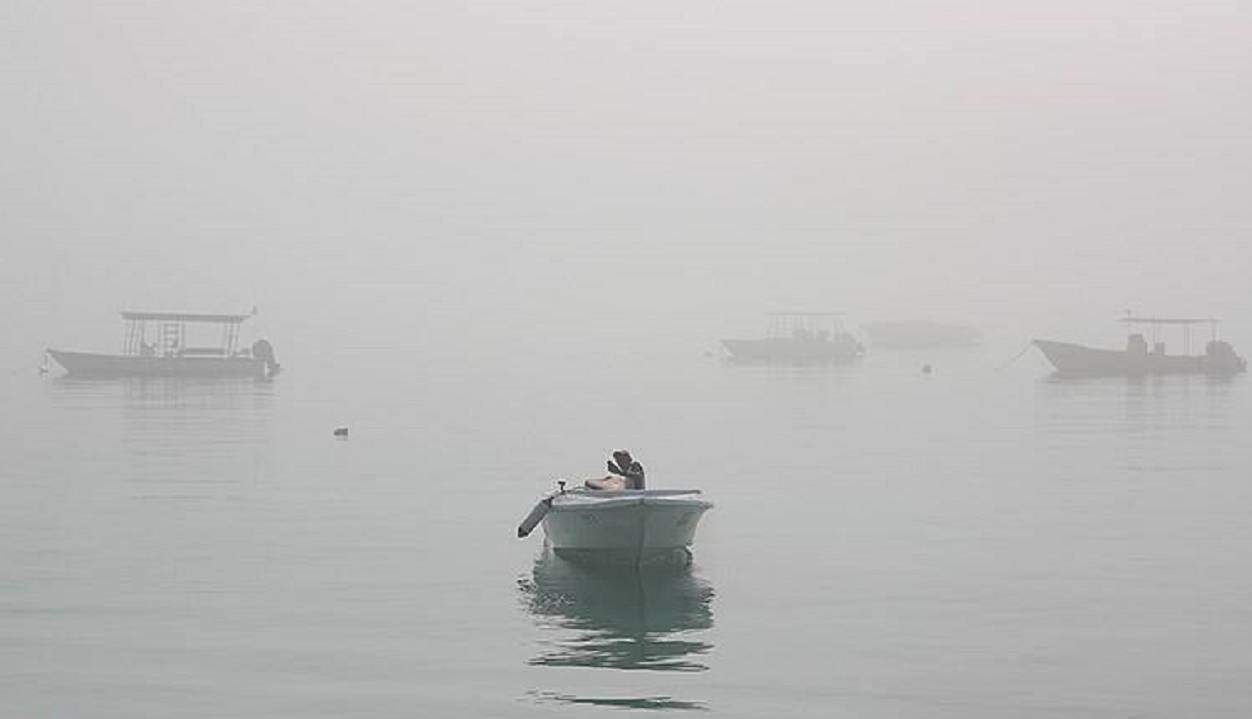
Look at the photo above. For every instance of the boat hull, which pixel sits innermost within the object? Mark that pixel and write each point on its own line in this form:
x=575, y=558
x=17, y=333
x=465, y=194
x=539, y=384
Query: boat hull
x=1079, y=361
x=93, y=365
x=629, y=526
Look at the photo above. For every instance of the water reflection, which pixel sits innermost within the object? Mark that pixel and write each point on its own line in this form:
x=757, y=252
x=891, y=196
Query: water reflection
x=1168, y=388
x=1143, y=380
x=653, y=703
x=232, y=410
x=177, y=437
x=163, y=392
x=619, y=618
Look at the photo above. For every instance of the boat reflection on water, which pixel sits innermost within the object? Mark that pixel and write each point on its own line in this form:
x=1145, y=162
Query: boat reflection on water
x=190, y=399
x=619, y=617
x=653, y=703
x=166, y=422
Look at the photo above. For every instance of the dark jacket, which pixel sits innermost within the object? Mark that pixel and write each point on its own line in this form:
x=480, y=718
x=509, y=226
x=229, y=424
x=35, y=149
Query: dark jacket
x=633, y=474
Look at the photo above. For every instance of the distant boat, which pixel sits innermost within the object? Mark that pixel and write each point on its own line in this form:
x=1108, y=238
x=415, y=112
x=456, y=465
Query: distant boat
x=168, y=354
x=626, y=526
x=798, y=338
x=1137, y=359
x=917, y=335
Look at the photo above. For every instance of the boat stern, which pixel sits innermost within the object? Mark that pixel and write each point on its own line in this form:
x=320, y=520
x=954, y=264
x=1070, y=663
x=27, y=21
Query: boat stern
x=640, y=526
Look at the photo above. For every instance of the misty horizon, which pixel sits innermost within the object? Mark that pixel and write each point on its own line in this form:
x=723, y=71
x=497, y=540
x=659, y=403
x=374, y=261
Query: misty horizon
x=490, y=243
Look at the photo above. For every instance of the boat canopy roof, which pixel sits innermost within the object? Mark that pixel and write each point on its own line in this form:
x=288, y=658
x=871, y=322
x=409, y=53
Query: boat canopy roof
x=184, y=317
x=1168, y=320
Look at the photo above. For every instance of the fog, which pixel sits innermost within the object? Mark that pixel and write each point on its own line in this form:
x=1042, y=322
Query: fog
x=498, y=171
x=496, y=240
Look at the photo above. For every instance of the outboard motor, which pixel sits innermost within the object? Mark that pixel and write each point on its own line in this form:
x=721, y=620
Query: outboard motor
x=539, y=511
x=533, y=519
x=263, y=350
x=1217, y=348
x=1221, y=356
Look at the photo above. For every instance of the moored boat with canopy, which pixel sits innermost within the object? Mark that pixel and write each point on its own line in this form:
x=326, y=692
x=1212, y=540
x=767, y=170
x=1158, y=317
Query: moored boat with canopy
x=1138, y=358
x=798, y=339
x=159, y=344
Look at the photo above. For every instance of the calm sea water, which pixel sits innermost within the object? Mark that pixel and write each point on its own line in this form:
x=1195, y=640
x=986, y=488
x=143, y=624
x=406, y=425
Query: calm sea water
x=981, y=542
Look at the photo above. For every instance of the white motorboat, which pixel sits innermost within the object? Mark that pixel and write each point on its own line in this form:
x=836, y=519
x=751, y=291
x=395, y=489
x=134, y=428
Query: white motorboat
x=1219, y=358
x=634, y=526
x=169, y=353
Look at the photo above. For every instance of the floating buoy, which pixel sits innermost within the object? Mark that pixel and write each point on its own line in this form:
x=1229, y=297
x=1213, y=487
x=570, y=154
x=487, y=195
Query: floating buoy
x=341, y=431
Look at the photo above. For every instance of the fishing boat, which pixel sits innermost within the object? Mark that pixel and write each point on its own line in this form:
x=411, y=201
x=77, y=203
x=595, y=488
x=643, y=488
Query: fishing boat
x=919, y=335
x=155, y=344
x=1138, y=359
x=798, y=338
x=630, y=526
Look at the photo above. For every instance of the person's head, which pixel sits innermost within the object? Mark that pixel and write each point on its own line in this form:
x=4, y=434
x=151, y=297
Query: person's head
x=623, y=458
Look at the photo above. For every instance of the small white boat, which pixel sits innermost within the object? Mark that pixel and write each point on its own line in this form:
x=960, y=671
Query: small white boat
x=1219, y=358
x=634, y=526
x=169, y=355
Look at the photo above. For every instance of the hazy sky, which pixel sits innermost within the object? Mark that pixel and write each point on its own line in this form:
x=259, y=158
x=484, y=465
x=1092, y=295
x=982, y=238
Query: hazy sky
x=559, y=168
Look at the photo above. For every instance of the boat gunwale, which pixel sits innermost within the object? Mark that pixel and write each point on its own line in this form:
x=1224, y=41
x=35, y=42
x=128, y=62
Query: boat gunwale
x=594, y=500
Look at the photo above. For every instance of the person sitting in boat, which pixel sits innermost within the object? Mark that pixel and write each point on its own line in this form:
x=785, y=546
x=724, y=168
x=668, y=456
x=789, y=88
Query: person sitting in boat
x=624, y=473
x=625, y=466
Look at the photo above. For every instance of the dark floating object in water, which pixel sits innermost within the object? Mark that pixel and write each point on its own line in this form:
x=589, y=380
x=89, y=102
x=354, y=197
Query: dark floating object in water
x=926, y=369
x=341, y=431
